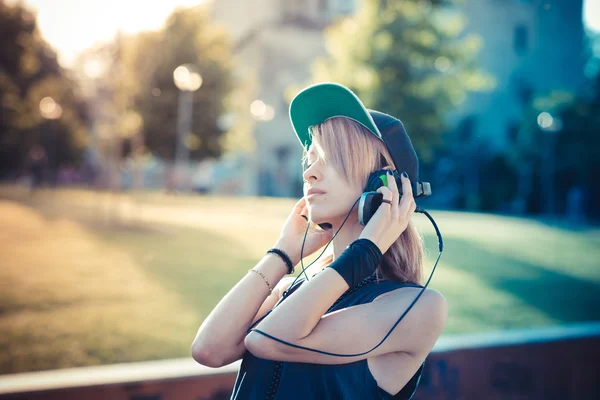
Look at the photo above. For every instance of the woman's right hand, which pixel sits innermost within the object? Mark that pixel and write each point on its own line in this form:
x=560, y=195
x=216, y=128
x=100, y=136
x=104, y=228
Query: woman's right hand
x=293, y=230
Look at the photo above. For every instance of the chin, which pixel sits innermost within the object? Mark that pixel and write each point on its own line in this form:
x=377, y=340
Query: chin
x=320, y=216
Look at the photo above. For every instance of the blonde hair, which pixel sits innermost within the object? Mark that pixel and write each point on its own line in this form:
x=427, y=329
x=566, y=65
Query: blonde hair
x=355, y=152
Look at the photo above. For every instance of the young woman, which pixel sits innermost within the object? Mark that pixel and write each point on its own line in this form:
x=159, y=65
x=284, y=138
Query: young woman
x=361, y=289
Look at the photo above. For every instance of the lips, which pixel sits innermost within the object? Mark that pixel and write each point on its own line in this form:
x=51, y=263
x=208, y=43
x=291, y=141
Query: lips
x=314, y=191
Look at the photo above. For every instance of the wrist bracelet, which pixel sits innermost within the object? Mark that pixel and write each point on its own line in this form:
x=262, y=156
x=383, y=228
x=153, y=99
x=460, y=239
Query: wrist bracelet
x=264, y=278
x=284, y=257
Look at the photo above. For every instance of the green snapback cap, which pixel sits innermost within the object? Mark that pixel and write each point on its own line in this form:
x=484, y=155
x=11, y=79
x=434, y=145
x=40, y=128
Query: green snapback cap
x=319, y=102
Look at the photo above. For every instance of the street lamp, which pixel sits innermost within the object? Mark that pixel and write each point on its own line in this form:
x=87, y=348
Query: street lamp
x=551, y=125
x=51, y=110
x=188, y=80
x=96, y=161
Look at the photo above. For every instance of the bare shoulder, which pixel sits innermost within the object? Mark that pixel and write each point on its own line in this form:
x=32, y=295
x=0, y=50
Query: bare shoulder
x=435, y=305
x=431, y=303
x=426, y=318
x=430, y=299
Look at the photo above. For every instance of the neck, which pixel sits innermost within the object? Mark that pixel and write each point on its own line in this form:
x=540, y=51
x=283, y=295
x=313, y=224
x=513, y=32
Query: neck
x=348, y=234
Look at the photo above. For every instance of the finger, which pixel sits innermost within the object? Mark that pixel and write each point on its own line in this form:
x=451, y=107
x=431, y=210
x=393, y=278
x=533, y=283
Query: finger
x=413, y=207
x=406, y=185
x=407, y=195
x=393, y=187
x=299, y=206
x=387, y=195
x=411, y=210
x=304, y=213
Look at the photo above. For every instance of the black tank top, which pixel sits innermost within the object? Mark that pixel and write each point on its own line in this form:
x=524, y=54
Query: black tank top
x=267, y=379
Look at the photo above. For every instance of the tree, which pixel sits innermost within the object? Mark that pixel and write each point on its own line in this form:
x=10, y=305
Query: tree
x=577, y=144
x=407, y=59
x=29, y=72
x=562, y=156
x=139, y=90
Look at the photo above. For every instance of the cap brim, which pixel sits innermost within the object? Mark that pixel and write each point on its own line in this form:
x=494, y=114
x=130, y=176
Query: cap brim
x=317, y=103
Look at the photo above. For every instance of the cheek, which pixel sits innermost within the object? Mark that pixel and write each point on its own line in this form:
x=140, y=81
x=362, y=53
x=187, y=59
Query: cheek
x=339, y=199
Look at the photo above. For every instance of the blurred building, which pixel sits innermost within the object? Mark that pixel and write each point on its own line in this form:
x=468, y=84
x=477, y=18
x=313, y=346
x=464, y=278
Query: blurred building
x=530, y=46
x=276, y=42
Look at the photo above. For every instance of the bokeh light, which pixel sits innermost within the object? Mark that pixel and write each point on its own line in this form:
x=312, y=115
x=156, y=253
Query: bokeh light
x=258, y=108
x=50, y=109
x=545, y=120
x=186, y=77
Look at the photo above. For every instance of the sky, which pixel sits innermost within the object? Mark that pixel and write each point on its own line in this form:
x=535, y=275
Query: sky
x=71, y=26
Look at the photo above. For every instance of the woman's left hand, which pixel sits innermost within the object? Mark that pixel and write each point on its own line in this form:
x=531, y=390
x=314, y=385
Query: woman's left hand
x=390, y=220
x=293, y=231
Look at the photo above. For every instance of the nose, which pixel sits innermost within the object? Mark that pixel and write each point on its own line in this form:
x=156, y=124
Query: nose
x=309, y=173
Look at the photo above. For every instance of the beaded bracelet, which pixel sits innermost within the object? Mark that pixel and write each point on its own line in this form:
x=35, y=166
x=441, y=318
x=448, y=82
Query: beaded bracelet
x=284, y=257
x=264, y=277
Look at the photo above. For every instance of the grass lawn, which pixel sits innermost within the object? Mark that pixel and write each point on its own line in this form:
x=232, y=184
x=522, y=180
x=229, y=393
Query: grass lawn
x=77, y=288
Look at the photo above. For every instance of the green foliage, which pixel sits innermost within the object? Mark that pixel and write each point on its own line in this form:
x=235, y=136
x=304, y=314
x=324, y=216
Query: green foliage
x=578, y=143
x=575, y=148
x=137, y=92
x=408, y=59
x=29, y=72
x=187, y=37
x=498, y=184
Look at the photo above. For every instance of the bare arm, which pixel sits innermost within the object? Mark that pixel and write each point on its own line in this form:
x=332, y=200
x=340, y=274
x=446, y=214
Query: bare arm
x=220, y=338
x=351, y=330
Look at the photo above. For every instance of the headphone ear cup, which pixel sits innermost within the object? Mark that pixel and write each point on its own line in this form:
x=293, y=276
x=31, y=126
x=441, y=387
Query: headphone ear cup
x=370, y=200
x=374, y=182
x=369, y=183
x=368, y=205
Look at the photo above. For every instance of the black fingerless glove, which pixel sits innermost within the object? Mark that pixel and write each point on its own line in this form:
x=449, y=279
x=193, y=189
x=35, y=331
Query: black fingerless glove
x=358, y=261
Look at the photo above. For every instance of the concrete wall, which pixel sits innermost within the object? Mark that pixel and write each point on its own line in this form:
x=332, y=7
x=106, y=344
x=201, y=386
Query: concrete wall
x=546, y=364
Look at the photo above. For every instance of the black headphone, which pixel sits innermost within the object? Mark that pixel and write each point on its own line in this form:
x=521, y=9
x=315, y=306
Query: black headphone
x=369, y=201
